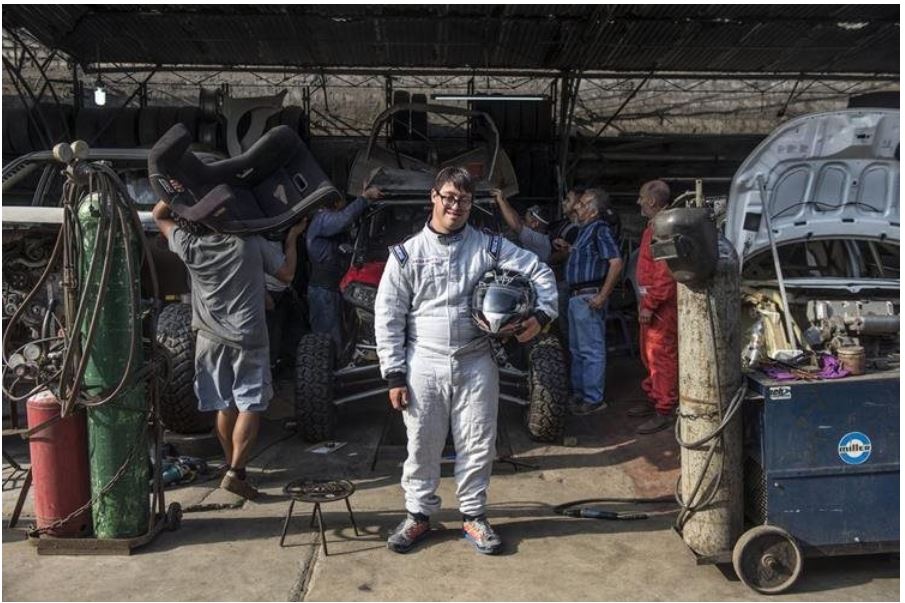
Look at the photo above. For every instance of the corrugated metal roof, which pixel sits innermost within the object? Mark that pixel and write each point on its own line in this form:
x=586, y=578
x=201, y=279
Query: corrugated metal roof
x=714, y=37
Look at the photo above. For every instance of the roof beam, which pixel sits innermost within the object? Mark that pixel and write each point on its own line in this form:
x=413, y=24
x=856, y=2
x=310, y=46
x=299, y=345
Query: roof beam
x=466, y=71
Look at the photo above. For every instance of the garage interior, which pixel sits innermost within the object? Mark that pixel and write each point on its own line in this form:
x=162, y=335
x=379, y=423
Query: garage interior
x=680, y=92
x=582, y=96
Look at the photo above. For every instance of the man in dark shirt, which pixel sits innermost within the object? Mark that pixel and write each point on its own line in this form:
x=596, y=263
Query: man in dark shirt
x=563, y=233
x=328, y=266
x=232, y=358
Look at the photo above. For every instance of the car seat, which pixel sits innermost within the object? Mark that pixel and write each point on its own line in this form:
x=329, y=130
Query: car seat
x=265, y=188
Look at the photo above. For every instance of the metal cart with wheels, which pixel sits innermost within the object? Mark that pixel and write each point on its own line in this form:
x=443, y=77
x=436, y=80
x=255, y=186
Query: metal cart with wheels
x=821, y=464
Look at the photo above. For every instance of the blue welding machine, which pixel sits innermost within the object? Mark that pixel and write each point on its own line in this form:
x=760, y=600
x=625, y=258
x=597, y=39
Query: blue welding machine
x=821, y=461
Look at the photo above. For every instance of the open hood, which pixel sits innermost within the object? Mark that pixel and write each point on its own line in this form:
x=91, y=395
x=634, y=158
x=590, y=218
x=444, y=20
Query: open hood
x=827, y=175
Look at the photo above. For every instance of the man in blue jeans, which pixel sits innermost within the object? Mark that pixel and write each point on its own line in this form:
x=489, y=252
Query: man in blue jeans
x=592, y=272
x=328, y=265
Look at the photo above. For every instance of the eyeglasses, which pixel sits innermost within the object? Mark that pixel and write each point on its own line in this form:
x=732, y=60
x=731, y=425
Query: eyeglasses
x=450, y=201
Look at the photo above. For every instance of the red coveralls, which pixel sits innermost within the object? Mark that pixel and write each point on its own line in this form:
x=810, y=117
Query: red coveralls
x=659, y=338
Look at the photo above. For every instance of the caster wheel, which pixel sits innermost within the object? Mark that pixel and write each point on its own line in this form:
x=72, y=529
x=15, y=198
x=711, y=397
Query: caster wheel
x=767, y=559
x=174, y=517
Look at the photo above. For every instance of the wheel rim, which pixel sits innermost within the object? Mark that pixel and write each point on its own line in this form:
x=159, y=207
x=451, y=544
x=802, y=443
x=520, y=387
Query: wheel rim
x=770, y=561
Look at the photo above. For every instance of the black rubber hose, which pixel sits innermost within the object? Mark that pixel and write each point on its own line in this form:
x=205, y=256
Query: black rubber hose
x=579, y=508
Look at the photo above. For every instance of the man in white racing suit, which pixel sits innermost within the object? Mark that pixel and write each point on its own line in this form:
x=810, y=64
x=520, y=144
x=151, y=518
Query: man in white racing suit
x=438, y=364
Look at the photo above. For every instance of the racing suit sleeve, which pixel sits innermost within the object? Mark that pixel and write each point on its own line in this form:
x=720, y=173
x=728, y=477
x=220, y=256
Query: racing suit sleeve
x=329, y=223
x=517, y=259
x=391, y=308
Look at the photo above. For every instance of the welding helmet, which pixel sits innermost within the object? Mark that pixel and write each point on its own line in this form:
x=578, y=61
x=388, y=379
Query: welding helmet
x=501, y=298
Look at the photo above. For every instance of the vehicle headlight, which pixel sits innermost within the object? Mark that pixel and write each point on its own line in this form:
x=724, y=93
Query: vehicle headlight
x=361, y=295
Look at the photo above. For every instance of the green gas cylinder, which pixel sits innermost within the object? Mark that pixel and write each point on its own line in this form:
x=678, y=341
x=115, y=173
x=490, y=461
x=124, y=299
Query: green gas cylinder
x=117, y=430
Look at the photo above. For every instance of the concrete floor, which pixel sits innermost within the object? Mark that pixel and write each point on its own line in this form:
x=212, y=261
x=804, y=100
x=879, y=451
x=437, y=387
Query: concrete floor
x=228, y=550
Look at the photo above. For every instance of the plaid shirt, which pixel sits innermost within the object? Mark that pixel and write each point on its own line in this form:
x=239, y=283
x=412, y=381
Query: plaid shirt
x=590, y=258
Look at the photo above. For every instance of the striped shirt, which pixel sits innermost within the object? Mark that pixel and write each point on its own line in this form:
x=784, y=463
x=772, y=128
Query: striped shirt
x=590, y=258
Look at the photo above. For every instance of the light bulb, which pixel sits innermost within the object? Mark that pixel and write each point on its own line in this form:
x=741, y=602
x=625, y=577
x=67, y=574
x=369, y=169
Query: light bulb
x=100, y=93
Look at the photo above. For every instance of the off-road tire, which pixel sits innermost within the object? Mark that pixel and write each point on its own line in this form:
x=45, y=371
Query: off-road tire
x=178, y=404
x=314, y=387
x=548, y=390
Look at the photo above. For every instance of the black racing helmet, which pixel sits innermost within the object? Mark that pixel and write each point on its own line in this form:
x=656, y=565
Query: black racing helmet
x=502, y=298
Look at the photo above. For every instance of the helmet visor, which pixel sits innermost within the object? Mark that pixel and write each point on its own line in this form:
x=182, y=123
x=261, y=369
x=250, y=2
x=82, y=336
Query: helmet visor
x=503, y=300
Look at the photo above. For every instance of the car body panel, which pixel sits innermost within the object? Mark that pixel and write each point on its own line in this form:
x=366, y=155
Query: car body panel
x=825, y=175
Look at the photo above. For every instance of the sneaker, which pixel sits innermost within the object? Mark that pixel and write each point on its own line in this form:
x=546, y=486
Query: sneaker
x=239, y=487
x=482, y=536
x=641, y=410
x=408, y=533
x=588, y=408
x=656, y=423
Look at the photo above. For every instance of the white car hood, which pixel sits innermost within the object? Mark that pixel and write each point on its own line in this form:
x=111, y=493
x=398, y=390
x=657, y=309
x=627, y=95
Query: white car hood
x=827, y=175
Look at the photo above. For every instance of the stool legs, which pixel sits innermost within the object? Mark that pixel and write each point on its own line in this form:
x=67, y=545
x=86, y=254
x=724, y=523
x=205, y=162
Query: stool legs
x=286, y=522
x=316, y=514
x=352, y=517
x=320, y=527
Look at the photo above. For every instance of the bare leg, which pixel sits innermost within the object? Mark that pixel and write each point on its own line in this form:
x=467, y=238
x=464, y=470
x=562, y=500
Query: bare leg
x=244, y=435
x=226, y=424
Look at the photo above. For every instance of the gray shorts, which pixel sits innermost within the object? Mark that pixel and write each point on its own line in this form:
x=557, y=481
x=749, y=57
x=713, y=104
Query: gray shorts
x=231, y=377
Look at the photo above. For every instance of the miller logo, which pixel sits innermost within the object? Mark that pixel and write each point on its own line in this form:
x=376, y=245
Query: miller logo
x=854, y=448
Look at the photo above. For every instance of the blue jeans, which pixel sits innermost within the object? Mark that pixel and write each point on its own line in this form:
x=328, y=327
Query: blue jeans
x=324, y=313
x=587, y=345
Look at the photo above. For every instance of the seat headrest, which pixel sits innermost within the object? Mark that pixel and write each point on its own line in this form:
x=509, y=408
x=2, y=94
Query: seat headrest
x=170, y=149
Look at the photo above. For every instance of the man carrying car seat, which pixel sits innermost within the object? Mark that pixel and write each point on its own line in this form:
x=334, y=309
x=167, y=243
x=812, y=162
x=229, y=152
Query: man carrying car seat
x=232, y=355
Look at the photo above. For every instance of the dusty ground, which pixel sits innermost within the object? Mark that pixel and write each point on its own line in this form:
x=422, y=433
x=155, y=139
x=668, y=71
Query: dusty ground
x=227, y=550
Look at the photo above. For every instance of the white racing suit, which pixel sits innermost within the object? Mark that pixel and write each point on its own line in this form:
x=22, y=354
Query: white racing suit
x=425, y=334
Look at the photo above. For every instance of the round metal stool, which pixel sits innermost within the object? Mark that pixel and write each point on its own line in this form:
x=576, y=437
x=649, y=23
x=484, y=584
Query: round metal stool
x=318, y=491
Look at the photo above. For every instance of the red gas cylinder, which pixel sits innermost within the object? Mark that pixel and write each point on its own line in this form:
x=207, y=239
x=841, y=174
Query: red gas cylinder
x=59, y=467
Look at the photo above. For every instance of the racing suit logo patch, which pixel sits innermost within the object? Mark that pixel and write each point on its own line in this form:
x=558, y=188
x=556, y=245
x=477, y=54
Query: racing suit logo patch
x=400, y=253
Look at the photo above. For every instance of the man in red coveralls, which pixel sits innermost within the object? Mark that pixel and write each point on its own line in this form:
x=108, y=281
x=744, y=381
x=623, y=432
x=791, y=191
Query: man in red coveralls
x=658, y=316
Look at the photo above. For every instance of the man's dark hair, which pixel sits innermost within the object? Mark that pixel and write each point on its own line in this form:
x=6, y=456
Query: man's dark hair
x=193, y=228
x=457, y=176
